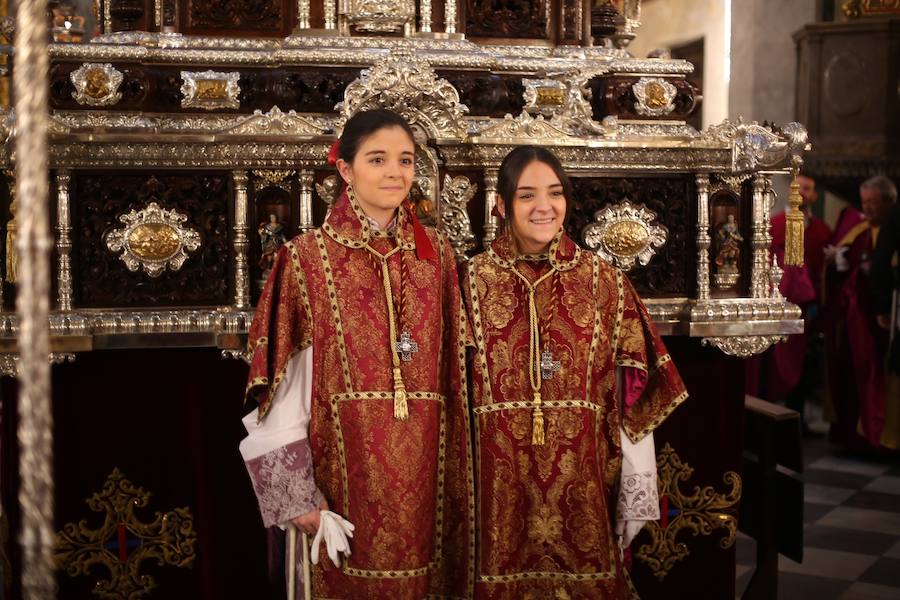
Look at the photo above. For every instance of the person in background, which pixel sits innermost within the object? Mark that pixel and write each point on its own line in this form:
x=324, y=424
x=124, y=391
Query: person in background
x=857, y=344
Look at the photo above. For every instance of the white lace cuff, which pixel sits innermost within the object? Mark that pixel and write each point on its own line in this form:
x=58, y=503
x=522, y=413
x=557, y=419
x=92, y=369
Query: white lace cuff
x=284, y=484
x=638, y=497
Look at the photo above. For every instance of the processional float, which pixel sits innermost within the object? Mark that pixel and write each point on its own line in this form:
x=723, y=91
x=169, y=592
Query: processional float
x=185, y=135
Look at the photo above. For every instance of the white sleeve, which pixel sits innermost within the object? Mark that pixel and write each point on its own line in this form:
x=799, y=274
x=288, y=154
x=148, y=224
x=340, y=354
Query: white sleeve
x=638, y=494
x=277, y=452
x=288, y=418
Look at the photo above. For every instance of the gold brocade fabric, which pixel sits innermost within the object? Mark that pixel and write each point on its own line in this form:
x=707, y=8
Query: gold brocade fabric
x=405, y=484
x=544, y=512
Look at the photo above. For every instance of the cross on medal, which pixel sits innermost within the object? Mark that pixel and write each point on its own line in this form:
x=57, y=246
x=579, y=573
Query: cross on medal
x=405, y=346
x=548, y=365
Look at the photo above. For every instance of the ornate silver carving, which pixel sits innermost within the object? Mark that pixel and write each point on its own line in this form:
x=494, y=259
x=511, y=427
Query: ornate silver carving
x=241, y=270
x=275, y=123
x=210, y=90
x=96, y=84
x=243, y=355
x=631, y=20
x=10, y=364
x=306, y=200
x=743, y=346
x=63, y=241
x=328, y=189
x=216, y=321
x=303, y=14
x=760, y=240
x=521, y=129
x=425, y=16
x=450, y=16
x=490, y=201
x=455, y=195
x=754, y=146
x=406, y=84
x=703, y=239
x=624, y=234
x=153, y=238
x=655, y=96
x=544, y=96
x=380, y=16
x=733, y=183
x=273, y=177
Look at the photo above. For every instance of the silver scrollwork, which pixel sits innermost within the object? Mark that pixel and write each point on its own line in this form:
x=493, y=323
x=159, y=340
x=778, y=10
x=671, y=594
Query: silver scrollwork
x=409, y=86
x=743, y=346
x=455, y=195
x=96, y=84
x=754, y=145
x=624, y=234
x=380, y=16
x=153, y=238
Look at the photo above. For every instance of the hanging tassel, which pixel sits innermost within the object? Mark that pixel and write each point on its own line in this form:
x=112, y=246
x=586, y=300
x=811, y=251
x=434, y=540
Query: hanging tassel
x=401, y=409
x=537, y=417
x=793, y=237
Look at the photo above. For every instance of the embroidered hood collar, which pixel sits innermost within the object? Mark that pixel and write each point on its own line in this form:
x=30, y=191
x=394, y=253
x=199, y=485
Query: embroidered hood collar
x=347, y=224
x=562, y=254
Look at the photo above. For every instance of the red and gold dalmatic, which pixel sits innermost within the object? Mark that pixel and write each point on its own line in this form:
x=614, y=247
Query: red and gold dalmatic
x=544, y=511
x=404, y=483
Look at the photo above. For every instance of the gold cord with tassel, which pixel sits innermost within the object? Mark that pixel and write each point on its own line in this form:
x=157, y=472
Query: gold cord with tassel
x=793, y=237
x=401, y=406
x=534, y=359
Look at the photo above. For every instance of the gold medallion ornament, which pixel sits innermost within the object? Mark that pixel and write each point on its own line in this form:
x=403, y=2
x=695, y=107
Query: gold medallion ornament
x=544, y=96
x=624, y=234
x=655, y=97
x=210, y=90
x=699, y=513
x=96, y=84
x=153, y=238
x=124, y=542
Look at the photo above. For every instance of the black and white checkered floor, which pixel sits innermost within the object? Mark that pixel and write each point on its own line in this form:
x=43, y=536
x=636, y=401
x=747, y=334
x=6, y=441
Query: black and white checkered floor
x=852, y=531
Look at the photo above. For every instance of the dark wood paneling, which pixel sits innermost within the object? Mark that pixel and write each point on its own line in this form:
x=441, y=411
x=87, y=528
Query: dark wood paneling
x=103, y=281
x=672, y=271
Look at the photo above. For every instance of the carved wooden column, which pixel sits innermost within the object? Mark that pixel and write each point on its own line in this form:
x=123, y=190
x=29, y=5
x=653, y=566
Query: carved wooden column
x=305, y=177
x=490, y=200
x=63, y=240
x=241, y=271
x=703, y=239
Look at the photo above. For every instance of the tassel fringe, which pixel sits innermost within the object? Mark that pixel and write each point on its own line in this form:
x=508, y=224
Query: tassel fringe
x=401, y=408
x=537, y=432
x=793, y=237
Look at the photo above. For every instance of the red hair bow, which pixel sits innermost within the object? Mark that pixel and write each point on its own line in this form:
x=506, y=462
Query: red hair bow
x=335, y=153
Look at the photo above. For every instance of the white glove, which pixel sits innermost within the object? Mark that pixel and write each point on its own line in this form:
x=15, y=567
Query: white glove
x=840, y=260
x=334, y=530
x=627, y=530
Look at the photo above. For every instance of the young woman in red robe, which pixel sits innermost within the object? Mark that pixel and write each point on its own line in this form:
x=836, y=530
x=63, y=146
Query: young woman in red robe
x=358, y=350
x=570, y=378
